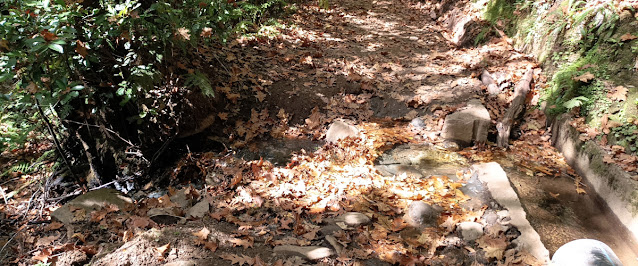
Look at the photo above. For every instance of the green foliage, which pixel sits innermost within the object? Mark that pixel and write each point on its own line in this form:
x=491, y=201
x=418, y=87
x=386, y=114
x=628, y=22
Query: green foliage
x=81, y=58
x=627, y=136
x=575, y=102
x=565, y=93
x=199, y=79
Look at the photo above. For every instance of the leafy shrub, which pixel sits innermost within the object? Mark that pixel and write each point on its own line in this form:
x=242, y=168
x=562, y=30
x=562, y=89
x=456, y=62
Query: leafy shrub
x=104, y=62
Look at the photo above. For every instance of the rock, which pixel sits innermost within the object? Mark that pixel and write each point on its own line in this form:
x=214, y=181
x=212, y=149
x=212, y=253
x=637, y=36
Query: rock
x=448, y=146
x=417, y=123
x=499, y=186
x=490, y=217
x=467, y=125
x=398, y=169
x=421, y=214
x=72, y=258
x=463, y=28
x=329, y=229
x=310, y=252
x=585, y=252
x=181, y=263
x=340, y=130
x=91, y=201
x=181, y=199
x=353, y=219
x=165, y=216
x=199, y=210
x=470, y=231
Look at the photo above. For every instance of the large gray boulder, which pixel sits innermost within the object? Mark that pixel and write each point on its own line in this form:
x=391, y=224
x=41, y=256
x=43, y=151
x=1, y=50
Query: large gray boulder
x=467, y=124
x=585, y=252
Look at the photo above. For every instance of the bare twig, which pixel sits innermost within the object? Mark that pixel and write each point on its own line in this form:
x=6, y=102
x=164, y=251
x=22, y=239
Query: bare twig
x=4, y=196
x=109, y=130
x=55, y=138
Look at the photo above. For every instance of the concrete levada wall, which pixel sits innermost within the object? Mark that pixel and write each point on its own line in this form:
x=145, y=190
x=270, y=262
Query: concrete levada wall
x=614, y=186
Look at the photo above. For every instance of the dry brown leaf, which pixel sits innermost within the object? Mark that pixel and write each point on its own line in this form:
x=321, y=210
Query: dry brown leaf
x=261, y=96
x=627, y=37
x=619, y=93
x=48, y=36
x=223, y=116
x=79, y=236
x=80, y=48
x=184, y=33
x=236, y=259
x=242, y=242
x=210, y=245
x=584, y=77
x=202, y=234
x=140, y=222
x=47, y=240
x=580, y=190
x=207, y=32
x=53, y=226
x=161, y=251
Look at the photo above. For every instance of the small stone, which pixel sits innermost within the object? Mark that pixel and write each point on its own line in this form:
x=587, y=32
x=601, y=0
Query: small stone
x=586, y=252
x=310, y=252
x=417, y=123
x=73, y=257
x=165, y=216
x=329, y=229
x=181, y=199
x=353, y=219
x=490, y=217
x=421, y=214
x=199, y=210
x=470, y=231
x=340, y=130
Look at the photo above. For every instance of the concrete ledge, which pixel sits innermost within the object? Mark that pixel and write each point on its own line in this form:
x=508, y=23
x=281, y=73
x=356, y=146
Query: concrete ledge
x=613, y=185
x=502, y=192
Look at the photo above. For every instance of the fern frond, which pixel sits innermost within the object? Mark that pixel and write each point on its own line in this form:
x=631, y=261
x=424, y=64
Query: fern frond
x=199, y=79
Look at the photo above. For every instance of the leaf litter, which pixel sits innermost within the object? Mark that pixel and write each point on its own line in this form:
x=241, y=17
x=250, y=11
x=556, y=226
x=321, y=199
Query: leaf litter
x=263, y=205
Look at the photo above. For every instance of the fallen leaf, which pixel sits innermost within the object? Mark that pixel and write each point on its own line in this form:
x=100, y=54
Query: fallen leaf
x=261, y=96
x=210, y=245
x=241, y=242
x=627, y=37
x=584, y=77
x=618, y=93
x=47, y=240
x=202, y=234
x=162, y=250
x=223, y=116
x=53, y=226
x=79, y=236
x=236, y=259
x=580, y=190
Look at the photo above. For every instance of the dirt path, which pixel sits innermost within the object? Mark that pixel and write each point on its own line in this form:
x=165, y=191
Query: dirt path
x=374, y=64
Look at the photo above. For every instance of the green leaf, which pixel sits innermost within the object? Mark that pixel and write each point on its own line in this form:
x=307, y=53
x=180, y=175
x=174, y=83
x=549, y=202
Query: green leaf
x=56, y=47
x=575, y=102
